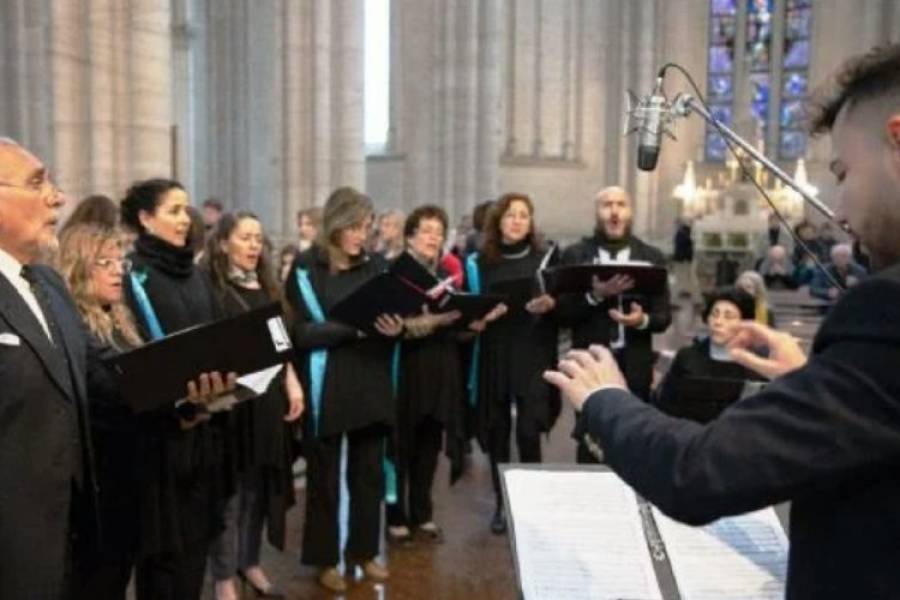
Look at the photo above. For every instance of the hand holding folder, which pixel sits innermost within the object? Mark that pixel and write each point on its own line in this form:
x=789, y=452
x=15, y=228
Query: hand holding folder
x=647, y=279
x=403, y=290
x=156, y=375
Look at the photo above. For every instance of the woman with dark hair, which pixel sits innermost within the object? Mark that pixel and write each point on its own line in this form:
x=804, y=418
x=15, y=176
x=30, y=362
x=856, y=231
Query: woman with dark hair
x=429, y=391
x=167, y=293
x=515, y=350
x=238, y=260
x=347, y=381
x=708, y=359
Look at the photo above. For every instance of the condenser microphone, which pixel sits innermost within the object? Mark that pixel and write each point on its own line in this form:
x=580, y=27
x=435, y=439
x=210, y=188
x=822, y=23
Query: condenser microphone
x=649, y=116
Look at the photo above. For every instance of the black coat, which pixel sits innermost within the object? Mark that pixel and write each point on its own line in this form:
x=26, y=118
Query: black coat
x=430, y=385
x=44, y=448
x=260, y=439
x=357, y=391
x=186, y=481
x=515, y=351
x=695, y=362
x=826, y=437
x=592, y=324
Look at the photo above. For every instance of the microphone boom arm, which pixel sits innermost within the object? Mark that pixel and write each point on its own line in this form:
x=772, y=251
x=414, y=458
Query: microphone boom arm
x=685, y=104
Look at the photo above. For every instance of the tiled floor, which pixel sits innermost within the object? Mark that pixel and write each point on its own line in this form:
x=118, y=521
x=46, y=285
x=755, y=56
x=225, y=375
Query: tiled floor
x=471, y=564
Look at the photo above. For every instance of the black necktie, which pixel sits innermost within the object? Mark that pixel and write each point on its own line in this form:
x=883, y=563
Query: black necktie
x=40, y=294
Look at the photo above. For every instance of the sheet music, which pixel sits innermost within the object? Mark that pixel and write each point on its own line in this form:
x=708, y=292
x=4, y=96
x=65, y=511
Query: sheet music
x=251, y=385
x=742, y=557
x=579, y=536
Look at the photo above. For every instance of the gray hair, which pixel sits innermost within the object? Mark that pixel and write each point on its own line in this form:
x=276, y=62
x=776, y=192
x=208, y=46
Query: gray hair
x=845, y=249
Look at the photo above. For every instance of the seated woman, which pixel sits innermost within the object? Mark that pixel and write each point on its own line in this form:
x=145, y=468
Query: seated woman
x=752, y=283
x=703, y=379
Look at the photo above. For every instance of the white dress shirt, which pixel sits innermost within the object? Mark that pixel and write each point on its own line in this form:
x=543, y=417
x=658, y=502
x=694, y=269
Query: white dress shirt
x=12, y=270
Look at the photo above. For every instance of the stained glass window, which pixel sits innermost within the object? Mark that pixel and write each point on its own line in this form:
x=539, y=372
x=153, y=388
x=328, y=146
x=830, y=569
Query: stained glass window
x=794, y=79
x=786, y=85
x=760, y=20
x=722, y=36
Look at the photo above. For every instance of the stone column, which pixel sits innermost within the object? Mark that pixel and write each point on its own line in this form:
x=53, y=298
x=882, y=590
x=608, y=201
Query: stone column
x=91, y=92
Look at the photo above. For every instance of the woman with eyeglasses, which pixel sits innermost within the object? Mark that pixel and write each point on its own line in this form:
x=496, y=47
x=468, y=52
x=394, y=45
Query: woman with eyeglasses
x=92, y=263
x=168, y=293
x=429, y=392
x=347, y=380
x=130, y=456
x=516, y=349
x=239, y=262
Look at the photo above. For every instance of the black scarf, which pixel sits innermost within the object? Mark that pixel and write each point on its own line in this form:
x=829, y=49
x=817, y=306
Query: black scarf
x=610, y=245
x=177, y=261
x=515, y=249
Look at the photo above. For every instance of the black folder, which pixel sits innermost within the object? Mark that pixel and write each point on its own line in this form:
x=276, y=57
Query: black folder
x=471, y=307
x=409, y=269
x=383, y=294
x=156, y=374
x=648, y=279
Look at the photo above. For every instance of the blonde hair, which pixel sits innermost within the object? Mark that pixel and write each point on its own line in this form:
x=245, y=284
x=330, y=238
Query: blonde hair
x=79, y=247
x=759, y=293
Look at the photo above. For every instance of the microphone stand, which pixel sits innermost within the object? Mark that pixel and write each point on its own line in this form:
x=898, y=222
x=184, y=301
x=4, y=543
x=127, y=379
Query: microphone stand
x=685, y=104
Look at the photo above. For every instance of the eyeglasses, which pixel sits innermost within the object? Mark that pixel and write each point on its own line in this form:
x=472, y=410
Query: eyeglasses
x=109, y=264
x=43, y=186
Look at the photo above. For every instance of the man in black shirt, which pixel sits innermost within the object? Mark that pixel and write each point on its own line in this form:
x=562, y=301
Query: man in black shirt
x=825, y=433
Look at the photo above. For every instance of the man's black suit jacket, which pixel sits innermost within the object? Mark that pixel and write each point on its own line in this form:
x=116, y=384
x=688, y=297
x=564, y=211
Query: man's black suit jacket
x=592, y=324
x=43, y=446
x=826, y=437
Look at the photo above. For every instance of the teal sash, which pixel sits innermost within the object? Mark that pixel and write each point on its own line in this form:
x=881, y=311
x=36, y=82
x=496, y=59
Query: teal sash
x=390, y=470
x=146, y=308
x=473, y=276
x=318, y=359
x=318, y=362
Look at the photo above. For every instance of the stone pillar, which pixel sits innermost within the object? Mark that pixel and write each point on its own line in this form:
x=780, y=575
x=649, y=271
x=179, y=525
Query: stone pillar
x=91, y=91
x=278, y=103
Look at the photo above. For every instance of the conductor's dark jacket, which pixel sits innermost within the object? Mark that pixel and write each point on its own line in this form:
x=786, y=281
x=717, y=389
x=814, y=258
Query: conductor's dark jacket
x=826, y=437
x=44, y=451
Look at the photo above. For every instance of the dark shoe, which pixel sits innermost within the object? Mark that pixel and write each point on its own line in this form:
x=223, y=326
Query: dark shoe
x=498, y=523
x=270, y=592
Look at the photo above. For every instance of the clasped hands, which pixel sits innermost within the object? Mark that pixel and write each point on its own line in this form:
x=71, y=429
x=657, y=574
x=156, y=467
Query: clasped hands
x=615, y=286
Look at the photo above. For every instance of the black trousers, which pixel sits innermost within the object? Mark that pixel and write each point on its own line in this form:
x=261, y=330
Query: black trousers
x=365, y=481
x=171, y=577
x=529, y=446
x=415, y=475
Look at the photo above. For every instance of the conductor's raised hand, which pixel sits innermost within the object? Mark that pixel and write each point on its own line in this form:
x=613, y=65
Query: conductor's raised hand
x=783, y=350
x=389, y=325
x=583, y=372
